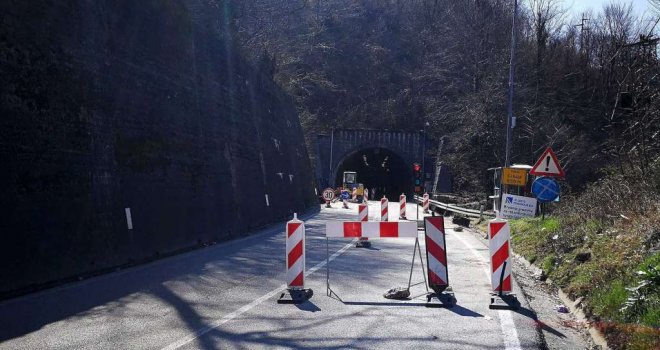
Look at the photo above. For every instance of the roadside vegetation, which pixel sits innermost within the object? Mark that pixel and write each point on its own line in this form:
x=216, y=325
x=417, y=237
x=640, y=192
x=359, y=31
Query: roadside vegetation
x=603, y=247
x=588, y=88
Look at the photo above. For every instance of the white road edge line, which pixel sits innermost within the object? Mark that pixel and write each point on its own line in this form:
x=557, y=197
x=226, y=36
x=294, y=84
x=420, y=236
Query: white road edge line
x=215, y=324
x=508, y=327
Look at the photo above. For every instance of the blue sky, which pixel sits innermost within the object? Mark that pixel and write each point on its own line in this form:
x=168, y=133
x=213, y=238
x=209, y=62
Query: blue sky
x=576, y=7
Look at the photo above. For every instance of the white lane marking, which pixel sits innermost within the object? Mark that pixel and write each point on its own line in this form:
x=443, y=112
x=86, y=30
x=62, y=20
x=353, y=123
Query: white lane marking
x=215, y=324
x=508, y=328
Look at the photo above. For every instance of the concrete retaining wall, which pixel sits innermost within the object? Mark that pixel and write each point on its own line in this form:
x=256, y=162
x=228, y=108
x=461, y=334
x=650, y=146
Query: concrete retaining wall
x=114, y=104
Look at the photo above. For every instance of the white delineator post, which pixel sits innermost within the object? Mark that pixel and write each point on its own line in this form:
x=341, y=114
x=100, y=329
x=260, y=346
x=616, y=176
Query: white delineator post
x=383, y=209
x=402, y=206
x=500, y=255
x=295, y=263
x=363, y=215
x=363, y=212
x=425, y=203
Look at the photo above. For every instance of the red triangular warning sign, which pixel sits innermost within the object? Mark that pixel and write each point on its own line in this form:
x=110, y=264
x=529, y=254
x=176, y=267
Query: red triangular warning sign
x=547, y=165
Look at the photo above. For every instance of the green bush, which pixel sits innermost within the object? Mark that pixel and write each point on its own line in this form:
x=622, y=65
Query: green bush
x=607, y=302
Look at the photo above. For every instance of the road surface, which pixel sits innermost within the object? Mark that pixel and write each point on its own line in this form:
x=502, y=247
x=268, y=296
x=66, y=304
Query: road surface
x=224, y=297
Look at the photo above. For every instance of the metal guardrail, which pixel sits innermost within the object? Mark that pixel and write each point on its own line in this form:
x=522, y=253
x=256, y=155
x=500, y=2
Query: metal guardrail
x=464, y=211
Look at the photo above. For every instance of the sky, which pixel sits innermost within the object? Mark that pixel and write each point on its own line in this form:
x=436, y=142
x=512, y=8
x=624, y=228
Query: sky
x=576, y=7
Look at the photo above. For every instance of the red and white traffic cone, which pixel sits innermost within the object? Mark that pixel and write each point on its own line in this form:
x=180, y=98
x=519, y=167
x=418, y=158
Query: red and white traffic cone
x=295, y=264
x=363, y=215
x=436, y=256
x=425, y=203
x=384, y=203
x=499, y=234
x=402, y=207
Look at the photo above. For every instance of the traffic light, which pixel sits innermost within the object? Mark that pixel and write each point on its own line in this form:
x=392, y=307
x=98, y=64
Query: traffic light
x=417, y=171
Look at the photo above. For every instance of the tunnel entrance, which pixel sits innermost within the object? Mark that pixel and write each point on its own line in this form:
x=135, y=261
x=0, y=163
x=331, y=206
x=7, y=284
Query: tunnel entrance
x=378, y=169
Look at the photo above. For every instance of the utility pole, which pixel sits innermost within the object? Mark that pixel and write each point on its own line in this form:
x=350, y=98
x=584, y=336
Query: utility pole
x=509, y=120
x=583, y=28
x=438, y=165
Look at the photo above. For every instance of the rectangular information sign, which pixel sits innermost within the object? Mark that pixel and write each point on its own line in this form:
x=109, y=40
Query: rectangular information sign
x=514, y=177
x=514, y=207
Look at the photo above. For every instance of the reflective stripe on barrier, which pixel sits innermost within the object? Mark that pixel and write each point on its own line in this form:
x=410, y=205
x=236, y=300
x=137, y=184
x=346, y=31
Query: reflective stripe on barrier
x=500, y=253
x=371, y=229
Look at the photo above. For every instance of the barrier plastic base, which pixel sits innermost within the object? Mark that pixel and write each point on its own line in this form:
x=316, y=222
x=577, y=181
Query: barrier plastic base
x=444, y=299
x=295, y=296
x=399, y=293
x=504, y=302
x=362, y=244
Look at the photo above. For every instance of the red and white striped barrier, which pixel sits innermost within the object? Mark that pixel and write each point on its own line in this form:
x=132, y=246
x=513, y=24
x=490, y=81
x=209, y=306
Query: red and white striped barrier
x=295, y=254
x=425, y=202
x=363, y=215
x=371, y=229
x=295, y=264
x=436, y=253
x=500, y=253
x=402, y=206
x=384, y=203
x=363, y=212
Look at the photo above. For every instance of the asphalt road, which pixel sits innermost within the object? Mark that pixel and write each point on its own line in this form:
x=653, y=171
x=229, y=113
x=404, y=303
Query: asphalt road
x=224, y=297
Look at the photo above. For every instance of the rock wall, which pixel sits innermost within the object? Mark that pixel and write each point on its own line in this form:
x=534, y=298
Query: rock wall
x=114, y=104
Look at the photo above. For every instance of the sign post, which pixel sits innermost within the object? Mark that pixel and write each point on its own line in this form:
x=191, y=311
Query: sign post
x=514, y=177
x=547, y=165
x=514, y=207
x=545, y=188
x=328, y=195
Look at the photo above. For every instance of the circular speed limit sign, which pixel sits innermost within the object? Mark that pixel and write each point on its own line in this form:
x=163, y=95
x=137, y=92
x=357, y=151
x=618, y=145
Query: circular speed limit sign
x=328, y=194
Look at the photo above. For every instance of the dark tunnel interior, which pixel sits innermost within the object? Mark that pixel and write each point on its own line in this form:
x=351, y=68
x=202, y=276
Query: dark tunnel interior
x=381, y=170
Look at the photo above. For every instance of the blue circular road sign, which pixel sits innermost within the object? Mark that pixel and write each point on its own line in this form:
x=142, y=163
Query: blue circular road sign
x=545, y=189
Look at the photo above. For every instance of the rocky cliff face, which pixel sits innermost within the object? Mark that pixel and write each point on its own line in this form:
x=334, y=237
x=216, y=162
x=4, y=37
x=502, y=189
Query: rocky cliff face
x=113, y=104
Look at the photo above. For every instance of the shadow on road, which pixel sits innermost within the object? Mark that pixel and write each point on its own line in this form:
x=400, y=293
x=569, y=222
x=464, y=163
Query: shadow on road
x=459, y=310
x=308, y=306
x=384, y=303
x=539, y=324
x=210, y=337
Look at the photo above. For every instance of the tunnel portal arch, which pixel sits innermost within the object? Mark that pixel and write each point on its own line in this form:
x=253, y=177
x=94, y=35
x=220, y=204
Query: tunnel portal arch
x=381, y=170
x=343, y=147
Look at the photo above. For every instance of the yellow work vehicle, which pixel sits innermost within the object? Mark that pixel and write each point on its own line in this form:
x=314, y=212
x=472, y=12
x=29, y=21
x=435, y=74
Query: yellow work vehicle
x=355, y=189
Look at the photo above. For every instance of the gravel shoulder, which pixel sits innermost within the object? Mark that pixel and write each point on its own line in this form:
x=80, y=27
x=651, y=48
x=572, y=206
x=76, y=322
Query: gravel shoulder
x=558, y=330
